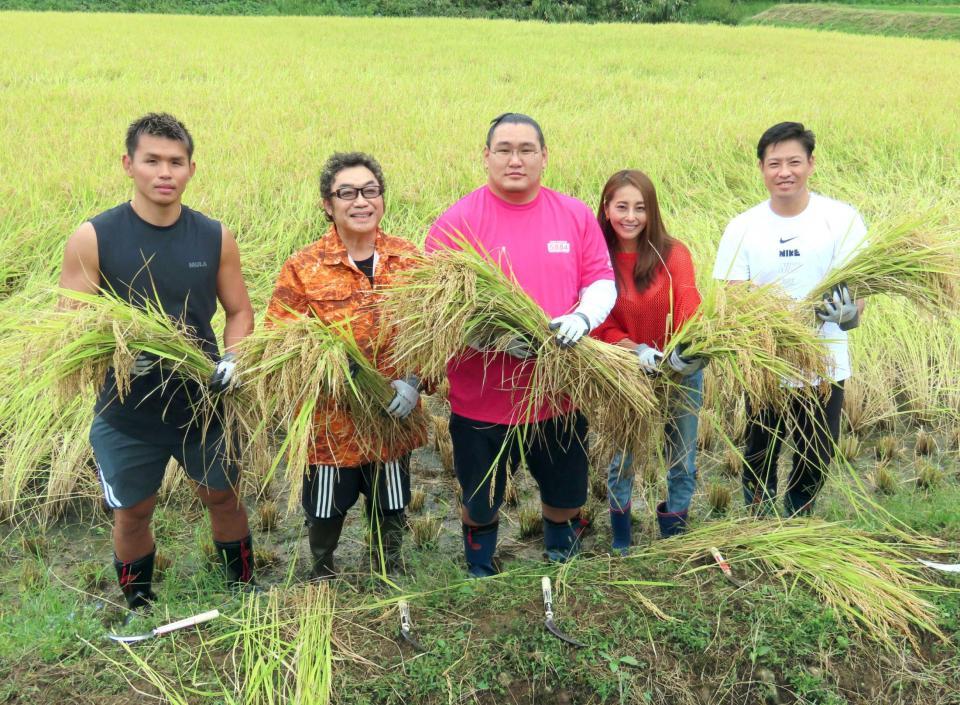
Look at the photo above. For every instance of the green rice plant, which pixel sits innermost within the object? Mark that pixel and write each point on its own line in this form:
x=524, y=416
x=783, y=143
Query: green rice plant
x=869, y=579
x=297, y=368
x=884, y=481
x=757, y=336
x=425, y=530
x=458, y=297
x=914, y=256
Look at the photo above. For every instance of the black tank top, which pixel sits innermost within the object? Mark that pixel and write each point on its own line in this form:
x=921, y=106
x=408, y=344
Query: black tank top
x=175, y=266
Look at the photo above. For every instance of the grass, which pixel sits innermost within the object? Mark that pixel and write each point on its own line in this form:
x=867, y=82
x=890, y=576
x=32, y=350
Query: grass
x=897, y=21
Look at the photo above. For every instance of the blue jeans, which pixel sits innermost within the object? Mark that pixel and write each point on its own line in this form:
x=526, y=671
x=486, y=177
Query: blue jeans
x=681, y=451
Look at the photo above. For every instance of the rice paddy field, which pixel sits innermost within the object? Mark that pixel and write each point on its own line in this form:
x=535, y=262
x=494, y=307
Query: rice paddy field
x=831, y=610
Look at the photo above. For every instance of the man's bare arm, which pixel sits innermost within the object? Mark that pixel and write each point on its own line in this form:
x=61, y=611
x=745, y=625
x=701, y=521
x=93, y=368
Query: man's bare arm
x=232, y=293
x=80, y=270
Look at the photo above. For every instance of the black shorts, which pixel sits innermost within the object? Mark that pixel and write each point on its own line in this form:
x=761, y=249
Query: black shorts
x=330, y=491
x=555, y=450
x=131, y=470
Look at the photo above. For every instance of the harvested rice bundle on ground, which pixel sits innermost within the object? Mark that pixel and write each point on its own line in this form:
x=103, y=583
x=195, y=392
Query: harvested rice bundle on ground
x=914, y=257
x=758, y=336
x=458, y=297
x=294, y=370
x=866, y=578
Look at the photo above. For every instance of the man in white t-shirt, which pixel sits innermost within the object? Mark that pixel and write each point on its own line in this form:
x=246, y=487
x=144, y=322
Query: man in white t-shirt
x=794, y=239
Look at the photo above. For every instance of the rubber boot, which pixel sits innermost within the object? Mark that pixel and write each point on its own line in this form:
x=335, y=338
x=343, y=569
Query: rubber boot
x=390, y=539
x=621, y=528
x=136, y=579
x=561, y=540
x=237, y=557
x=479, y=545
x=324, y=536
x=671, y=523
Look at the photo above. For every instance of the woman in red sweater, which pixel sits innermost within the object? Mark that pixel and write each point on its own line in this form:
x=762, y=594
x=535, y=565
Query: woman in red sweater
x=656, y=293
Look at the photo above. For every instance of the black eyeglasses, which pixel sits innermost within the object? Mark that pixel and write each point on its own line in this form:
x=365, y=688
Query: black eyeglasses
x=350, y=193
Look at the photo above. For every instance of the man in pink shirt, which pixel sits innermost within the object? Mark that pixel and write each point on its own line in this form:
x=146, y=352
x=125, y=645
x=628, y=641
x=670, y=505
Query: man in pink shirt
x=552, y=246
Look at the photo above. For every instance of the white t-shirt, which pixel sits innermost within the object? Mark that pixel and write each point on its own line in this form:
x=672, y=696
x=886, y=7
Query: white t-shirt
x=796, y=253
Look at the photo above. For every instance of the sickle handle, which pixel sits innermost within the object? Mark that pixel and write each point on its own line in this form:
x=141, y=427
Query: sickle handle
x=188, y=622
x=404, y=615
x=547, y=596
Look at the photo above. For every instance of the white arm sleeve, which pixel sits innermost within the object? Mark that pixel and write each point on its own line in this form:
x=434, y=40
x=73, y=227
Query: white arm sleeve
x=597, y=300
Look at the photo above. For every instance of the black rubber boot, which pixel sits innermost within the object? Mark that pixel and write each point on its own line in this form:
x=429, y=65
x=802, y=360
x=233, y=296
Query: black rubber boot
x=390, y=539
x=136, y=579
x=237, y=557
x=324, y=535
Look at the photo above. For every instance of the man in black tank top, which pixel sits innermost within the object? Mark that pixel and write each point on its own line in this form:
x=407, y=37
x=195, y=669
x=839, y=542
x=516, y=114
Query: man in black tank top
x=153, y=248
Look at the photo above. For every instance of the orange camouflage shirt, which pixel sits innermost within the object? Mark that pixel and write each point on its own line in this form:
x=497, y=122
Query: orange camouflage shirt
x=321, y=280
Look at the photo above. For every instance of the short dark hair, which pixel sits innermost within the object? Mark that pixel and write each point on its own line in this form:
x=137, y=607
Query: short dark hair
x=514, y=119
x=784, y=131
x=158, y=125
x=338, y=161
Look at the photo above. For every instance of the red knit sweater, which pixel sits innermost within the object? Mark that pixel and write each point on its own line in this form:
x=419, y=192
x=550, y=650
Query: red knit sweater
x=644, y=316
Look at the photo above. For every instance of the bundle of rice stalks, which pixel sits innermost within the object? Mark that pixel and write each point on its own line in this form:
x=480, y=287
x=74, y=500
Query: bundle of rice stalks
x=914, y=257
x=457, y=297
x=866, y=578
x=887, y=448
x=425, y=530
x=296, y=368
x=849, y=447
x=72, y=348
x=757, y=336
x=929, y=476
x=719, y=498
x=926, y=444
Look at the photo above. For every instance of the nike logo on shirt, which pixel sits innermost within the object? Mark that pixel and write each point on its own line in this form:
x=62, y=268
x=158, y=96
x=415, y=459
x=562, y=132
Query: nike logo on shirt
x=783, y=242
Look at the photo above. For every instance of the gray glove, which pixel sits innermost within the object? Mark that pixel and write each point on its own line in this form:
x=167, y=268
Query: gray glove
x=685, y=366
x=650, y=358
x=406, y=397
x=225, y=375
x=142, y=364
x=570, y=328
x=840, y=308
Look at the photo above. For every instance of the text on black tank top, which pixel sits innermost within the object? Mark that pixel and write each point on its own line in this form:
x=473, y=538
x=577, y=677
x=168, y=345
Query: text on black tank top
x=366, y=266
x=176, y=268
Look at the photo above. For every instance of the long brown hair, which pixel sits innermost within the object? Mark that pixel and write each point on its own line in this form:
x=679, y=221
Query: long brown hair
x=654, y=242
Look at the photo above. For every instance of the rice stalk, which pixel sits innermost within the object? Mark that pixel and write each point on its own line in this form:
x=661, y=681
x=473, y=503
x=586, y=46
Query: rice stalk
x=461, y=296
x=869, y=579
x=299, y=371
x=914, y=257
x=759, y=337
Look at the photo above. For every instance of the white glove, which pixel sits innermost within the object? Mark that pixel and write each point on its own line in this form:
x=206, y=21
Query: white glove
x=685, y=366
x=142, y=364
x=840, y=308
x=225, y=374
x=650, y=358
x=406, y=397
x=570, y=328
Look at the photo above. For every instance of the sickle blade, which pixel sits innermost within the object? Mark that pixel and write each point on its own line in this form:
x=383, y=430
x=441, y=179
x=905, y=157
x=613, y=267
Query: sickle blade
x=553, y=629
